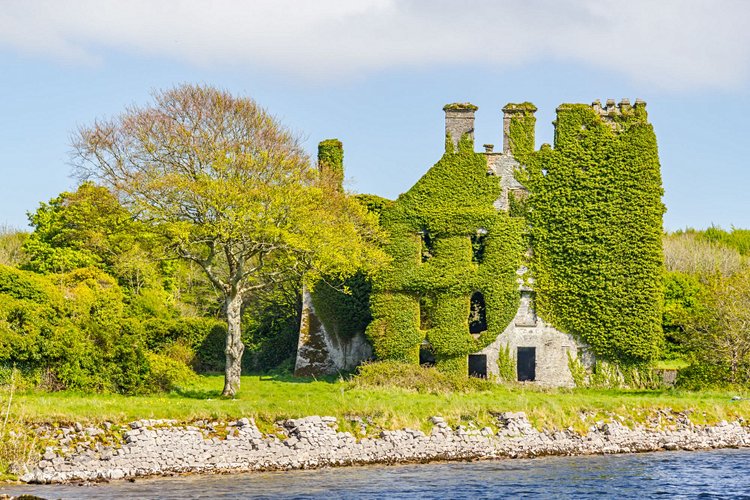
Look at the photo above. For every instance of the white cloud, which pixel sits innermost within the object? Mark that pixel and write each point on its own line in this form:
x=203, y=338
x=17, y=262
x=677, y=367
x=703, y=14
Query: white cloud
x=670, y=43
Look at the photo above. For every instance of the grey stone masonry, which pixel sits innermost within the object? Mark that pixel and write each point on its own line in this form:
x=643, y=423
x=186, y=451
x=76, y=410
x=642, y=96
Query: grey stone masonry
x=323, y=352
x=459, y=121
x=155, y=447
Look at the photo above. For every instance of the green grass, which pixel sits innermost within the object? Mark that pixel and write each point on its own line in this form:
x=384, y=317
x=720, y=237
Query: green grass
x=271, y=398
x=671, y=364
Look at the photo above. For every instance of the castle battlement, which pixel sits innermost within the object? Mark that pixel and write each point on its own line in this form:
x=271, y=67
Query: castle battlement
x=611, y=108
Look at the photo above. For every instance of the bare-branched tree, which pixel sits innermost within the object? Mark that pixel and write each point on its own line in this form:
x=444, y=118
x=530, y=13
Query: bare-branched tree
x=231, y=190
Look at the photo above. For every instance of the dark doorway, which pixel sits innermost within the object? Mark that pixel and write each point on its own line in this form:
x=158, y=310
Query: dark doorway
x=478, y=365
x=477, y=314
x=526, y=364
x=426, y=356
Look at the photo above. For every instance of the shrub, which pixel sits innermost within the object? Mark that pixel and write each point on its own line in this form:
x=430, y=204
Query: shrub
x=11, y=246
x=422, y=379
x=209, y=353
x=166, y=374
x=205, y=337
x=703, y=376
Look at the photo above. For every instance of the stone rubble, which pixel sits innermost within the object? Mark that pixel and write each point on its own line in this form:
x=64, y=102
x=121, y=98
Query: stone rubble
x=161, y=447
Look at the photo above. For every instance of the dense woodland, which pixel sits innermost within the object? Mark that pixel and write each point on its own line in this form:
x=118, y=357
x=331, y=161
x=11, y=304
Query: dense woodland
x=89, y=301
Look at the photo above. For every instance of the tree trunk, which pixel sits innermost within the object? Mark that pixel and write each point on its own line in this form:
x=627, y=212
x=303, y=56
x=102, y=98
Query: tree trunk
x=235, y=347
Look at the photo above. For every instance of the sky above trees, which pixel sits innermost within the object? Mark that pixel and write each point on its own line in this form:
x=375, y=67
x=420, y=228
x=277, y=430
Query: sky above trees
x=376, y=73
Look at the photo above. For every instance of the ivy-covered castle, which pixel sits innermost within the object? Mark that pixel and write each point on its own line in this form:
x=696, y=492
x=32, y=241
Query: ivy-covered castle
x=522, y=264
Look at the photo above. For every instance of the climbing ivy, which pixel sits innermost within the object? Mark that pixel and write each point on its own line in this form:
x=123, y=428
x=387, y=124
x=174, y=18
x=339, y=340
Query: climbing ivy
x=506, y=364
x=595, y=220
x=331, y=161
x=343, y=305
x=521, y=128
x=373, y=203
x=446, y=210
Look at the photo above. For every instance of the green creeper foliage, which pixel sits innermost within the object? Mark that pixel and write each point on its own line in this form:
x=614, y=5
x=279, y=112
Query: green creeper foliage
x=595, y=222
x=522, y=127
x=373, y=203
x=447, y=242
x=343, y=305
x=506, y=364
x=331, y=161
x=460, y=105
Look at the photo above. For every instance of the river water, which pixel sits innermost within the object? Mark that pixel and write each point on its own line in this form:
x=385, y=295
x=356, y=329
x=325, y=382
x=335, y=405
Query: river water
x=705, y=474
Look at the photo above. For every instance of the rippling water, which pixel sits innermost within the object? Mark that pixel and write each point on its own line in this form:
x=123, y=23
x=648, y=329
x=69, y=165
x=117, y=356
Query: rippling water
x=709, y=474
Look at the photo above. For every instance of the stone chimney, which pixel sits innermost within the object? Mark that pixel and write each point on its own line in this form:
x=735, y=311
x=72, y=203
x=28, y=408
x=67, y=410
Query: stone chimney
x=459, y=121
x=331, y=163
x=518, y=112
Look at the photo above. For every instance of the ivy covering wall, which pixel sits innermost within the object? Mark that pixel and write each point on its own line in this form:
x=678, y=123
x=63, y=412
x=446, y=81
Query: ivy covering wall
x=447, y=241
x=331, y=162
x=595, y=220
x=592, y=219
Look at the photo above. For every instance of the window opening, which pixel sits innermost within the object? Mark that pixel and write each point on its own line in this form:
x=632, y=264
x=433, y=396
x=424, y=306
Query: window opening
x=477, y=314
x=426, y=355
x=428, y=247
x=478, y=244
x=478, y=365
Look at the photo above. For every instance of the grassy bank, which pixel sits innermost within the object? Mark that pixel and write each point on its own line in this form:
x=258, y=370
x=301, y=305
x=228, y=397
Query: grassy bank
x=269, y=399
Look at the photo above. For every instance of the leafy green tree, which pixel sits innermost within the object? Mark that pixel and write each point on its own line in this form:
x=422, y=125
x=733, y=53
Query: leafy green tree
x=89, y=227
x=232, y=191
x=717, y=332
x=84, y=228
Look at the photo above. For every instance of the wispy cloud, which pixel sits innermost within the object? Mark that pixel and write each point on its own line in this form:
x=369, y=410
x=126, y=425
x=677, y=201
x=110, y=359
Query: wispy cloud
x=678, y=44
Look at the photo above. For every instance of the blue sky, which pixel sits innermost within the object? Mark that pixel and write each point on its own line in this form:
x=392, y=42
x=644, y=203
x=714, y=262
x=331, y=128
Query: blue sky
x=376, y=73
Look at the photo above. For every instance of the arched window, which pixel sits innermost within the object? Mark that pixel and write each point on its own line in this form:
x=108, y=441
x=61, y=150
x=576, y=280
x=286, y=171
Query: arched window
x=477, y=314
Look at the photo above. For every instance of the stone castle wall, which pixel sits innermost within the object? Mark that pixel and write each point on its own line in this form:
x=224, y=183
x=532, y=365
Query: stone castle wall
x=320, y=352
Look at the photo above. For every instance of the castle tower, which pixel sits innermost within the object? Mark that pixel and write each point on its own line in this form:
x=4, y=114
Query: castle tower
x=459, y=121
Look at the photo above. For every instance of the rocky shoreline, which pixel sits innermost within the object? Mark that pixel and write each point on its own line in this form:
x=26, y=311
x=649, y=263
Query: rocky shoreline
x=163, y=447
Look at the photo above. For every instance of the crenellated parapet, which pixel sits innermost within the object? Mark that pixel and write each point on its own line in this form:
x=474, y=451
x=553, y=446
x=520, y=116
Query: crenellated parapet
x=613, y=113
